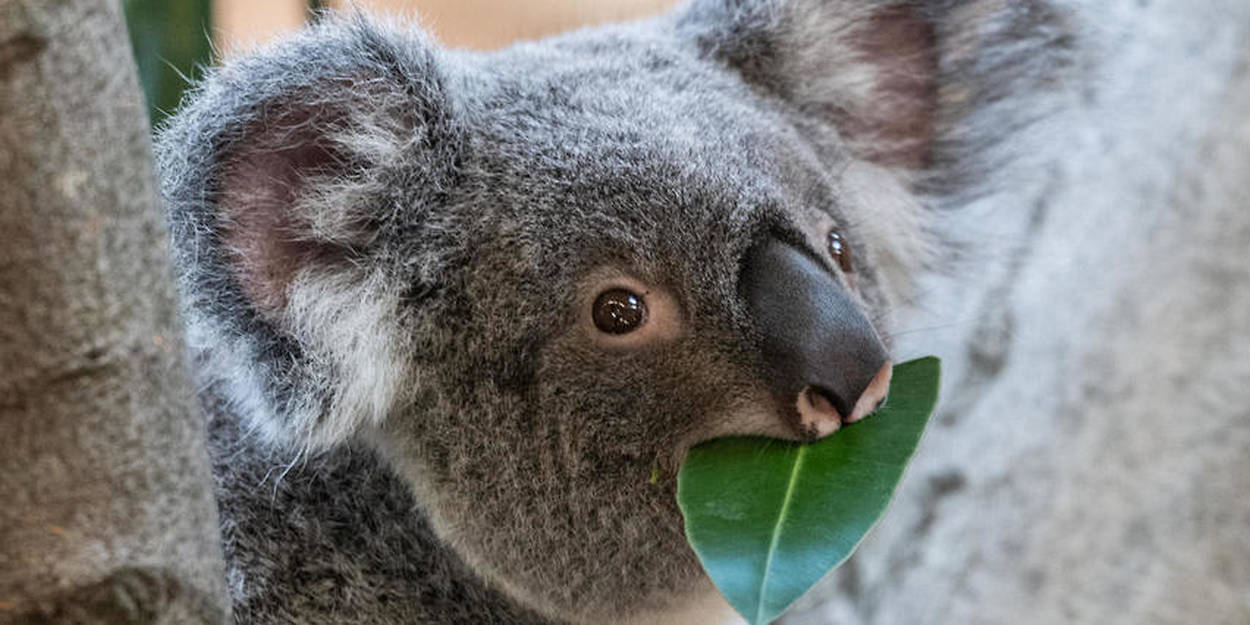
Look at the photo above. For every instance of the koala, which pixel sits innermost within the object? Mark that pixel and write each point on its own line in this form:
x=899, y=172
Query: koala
x=457, y=317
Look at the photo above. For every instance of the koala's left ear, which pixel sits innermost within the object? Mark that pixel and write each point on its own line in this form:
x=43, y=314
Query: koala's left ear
x=892, y=76
x=291, y=177
x=869, y=67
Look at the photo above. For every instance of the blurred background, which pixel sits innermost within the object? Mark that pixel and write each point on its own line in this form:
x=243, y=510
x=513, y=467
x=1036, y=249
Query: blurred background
x=173, y=40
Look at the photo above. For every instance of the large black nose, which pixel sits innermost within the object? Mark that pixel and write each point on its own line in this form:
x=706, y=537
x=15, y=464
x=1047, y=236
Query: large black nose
x=824, y=362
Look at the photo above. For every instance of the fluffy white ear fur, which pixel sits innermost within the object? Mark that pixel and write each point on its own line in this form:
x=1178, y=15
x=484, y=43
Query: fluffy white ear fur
x=347, y=322
x=297, y=203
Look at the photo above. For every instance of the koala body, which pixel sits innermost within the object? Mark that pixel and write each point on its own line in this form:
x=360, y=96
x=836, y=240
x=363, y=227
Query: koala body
x=451, y=310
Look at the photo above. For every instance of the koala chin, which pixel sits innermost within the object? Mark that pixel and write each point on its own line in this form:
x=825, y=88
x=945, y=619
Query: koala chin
x=451, y=310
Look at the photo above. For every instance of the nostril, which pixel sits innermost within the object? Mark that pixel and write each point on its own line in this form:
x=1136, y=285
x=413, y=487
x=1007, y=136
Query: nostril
x=829, y=401
x=819, y=401
x=874, y=395
x=819, y=414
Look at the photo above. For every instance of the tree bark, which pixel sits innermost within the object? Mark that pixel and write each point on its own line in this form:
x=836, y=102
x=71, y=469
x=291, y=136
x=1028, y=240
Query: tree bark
x=1090, y=460
x=107, y=513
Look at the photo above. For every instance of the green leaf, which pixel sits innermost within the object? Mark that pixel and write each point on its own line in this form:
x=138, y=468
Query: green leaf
x=171, y=46
x=768, y=518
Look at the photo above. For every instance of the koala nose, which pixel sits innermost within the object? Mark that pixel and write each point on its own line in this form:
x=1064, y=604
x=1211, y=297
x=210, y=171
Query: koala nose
x=825, y=364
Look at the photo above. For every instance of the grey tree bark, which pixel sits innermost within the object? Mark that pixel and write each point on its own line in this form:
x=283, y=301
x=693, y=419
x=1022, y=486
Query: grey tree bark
x=107, y=514
x=1090, y=460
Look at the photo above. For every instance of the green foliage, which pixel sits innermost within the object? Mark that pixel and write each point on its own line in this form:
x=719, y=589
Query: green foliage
x=171, y=44
x=769, y=518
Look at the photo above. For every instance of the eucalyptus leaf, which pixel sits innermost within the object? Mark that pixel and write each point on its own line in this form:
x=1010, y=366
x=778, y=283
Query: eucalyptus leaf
x=769, y=518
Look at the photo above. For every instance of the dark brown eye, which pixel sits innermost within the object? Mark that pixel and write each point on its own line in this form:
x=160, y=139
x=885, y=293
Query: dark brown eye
x=840, y=250
x=619, y=311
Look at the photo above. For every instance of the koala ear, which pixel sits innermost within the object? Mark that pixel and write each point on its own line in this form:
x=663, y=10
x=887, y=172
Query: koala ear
x=869, y=67
x=913, y=84
x=308, y=177
x=288, y=178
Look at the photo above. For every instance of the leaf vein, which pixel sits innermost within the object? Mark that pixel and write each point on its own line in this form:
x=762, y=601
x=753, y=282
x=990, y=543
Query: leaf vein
x=781, y=520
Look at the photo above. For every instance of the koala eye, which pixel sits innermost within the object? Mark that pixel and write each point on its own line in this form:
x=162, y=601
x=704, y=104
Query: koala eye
x=840, y=250
x=618, y=311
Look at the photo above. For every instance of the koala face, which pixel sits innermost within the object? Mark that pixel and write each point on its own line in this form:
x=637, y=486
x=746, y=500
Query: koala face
x=534, y=278
x=545, y=427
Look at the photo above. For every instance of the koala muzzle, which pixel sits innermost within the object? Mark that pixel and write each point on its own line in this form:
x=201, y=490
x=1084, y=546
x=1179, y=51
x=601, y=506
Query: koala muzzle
x=824, y=363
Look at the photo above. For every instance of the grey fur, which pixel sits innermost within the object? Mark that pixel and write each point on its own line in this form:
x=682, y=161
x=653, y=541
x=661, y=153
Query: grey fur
x=467, y=455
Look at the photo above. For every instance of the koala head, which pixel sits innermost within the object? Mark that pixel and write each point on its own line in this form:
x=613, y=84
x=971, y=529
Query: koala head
x=534, y=278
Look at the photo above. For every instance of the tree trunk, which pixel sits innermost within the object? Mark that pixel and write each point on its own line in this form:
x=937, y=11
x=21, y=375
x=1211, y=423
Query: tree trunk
x=107, y=513
x=1090, y=460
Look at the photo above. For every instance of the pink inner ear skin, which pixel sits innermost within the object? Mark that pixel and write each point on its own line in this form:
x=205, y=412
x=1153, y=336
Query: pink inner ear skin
x=268, y=239
x=898, y=122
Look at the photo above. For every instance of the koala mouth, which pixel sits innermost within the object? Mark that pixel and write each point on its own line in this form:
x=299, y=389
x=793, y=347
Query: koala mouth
x=814, y=414
x=821, y=412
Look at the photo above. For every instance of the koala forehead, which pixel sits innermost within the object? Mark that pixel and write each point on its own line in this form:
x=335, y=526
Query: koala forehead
x=628, y=151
